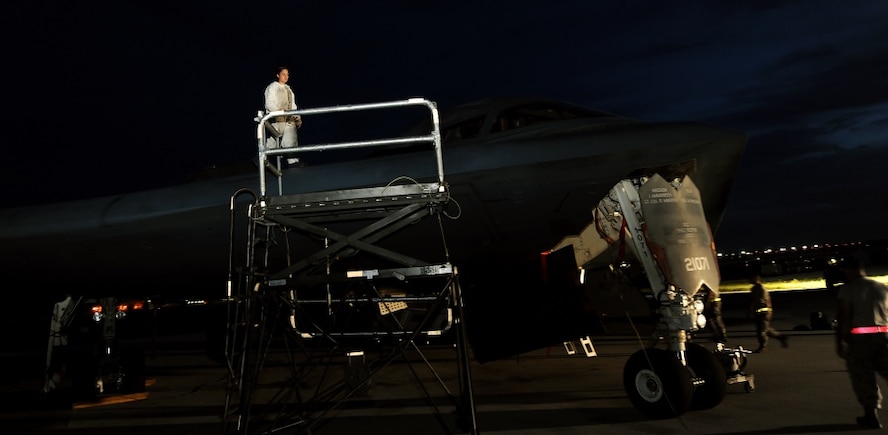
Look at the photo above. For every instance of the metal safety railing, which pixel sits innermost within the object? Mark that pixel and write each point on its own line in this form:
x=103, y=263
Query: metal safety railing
x=265, y=152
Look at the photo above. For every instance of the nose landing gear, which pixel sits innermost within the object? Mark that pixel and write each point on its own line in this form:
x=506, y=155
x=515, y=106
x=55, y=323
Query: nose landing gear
x=664, y=226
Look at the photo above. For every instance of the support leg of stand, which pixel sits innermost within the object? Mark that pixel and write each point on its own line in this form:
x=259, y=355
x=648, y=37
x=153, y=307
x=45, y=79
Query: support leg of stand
x=467, y=395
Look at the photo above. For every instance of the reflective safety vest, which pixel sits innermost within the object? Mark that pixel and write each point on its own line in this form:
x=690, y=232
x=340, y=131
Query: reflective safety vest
x=869, y=330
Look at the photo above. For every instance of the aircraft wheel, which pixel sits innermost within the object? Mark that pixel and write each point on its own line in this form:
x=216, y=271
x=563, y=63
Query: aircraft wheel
x=82, y=371
x=657, y=384
x=706, y=366
x=131, y=367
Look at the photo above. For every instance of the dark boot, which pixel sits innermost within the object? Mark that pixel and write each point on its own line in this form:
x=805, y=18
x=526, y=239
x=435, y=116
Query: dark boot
x=869, y=420
x=784, y=341
x=763, y=344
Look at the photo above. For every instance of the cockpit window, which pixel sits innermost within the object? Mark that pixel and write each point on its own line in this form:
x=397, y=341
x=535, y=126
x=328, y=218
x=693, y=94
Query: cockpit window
x=536, y=113
x=464, y=130
x=495, y=116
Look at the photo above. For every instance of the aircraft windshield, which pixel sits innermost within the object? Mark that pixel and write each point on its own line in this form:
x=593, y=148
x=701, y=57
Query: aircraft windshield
x=518, y=117
x=537, y=113
x=463, y=130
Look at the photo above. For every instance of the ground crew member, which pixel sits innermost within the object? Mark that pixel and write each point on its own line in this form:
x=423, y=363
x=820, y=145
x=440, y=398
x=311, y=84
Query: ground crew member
x=761, y=310
x=719, y=332
x=57, y=348
x=862, y=337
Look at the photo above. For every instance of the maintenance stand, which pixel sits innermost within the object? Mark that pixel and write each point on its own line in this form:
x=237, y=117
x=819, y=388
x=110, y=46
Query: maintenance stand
x=313, y=289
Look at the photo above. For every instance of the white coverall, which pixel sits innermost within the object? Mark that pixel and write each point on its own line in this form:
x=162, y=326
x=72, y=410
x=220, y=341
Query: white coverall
x=279, y=96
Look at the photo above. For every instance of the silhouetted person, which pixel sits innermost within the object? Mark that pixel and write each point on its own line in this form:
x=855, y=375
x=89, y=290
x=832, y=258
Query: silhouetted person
x=862, y=337
x=761, y=310
x=832, y=275
x=57, y=349
x=719, y=333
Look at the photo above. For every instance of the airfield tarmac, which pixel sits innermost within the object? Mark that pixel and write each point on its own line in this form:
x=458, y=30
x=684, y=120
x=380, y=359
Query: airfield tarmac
x=798, y=390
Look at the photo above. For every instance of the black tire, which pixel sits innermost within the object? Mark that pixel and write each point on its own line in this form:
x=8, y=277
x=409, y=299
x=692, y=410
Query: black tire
x=132, y=364
x=706, y=366
x=83, y=372
x=657, y=384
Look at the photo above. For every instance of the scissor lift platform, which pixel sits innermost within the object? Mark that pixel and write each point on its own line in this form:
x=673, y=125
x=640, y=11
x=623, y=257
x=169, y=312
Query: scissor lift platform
x=340, y=290
x=339, y=204
x=384, y=210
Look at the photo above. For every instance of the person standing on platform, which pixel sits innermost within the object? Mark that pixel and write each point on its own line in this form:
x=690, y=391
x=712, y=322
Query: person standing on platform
x=279, y=96
x=761, y=310
x=862, y=337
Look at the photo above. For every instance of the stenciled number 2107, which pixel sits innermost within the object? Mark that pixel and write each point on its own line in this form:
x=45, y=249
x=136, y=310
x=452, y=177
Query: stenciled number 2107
x=696, y=263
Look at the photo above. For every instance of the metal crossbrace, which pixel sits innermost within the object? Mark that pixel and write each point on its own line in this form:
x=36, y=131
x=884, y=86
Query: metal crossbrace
x=308, y=412
x=386, y=304
x=276, y=311
x=362, y=239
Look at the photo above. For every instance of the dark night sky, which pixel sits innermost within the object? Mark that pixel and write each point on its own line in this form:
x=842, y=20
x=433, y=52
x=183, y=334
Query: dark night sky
x=114, y=96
